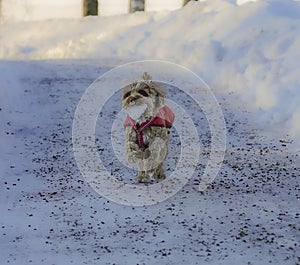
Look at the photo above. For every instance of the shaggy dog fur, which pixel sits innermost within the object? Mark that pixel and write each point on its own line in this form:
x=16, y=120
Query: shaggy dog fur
x=142, y=100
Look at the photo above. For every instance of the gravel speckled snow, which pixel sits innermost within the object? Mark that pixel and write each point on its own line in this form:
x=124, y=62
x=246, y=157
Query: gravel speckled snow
x=49, y=215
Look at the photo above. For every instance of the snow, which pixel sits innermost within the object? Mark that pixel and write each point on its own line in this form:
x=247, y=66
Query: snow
x=242, y=2
x=247, y=52
x=109, y=8
x=156, y=5
x=27, y=10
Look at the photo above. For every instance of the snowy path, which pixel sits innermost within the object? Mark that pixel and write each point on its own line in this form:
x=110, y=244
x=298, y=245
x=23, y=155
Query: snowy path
x=49, y=215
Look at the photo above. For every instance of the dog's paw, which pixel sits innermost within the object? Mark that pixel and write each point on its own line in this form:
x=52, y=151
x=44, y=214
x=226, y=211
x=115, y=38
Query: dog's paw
x=159, y=175
x=142, y=178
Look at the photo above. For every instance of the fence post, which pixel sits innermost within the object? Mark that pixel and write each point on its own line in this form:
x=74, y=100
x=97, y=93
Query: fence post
x=136, y=5
x=90, y=7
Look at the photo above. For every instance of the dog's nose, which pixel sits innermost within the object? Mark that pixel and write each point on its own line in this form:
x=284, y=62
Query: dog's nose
x=133, y=99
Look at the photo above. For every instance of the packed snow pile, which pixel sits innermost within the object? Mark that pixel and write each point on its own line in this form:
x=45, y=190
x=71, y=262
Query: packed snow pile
x=246, y=48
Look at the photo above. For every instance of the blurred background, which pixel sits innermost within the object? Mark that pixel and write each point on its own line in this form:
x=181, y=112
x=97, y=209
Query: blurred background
x=28, y=10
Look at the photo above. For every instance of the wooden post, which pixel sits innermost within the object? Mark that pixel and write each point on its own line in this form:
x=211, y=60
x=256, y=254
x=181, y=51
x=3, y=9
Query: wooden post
x=185, y=2
x=136, y=5
x=90, y=7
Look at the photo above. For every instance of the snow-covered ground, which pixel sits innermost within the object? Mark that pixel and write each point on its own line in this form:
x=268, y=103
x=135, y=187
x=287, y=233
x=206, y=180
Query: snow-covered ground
x=247, y=53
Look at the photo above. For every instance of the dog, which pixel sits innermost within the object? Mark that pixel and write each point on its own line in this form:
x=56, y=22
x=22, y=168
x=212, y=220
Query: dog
x=147, y=127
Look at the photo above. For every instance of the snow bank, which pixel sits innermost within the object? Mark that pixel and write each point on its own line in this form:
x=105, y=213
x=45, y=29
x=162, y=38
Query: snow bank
x=37, y=10
x=247, y=48
x=157, y=5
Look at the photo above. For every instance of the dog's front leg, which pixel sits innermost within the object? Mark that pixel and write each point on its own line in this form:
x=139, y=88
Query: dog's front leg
x=138, y=156
x=133, y=151
x=142, y=176
x=154, y=164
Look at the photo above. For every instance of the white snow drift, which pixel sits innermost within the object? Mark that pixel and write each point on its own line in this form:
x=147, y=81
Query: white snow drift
x=246, y=48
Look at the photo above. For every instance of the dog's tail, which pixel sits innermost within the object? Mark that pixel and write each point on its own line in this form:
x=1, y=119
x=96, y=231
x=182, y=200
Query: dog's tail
x=146, y=76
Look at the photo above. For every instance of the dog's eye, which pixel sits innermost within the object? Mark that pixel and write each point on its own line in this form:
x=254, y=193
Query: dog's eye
x=143, y=93
x=126, y=95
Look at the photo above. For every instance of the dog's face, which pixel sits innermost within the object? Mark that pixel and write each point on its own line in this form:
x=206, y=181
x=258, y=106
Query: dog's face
x=143, y=97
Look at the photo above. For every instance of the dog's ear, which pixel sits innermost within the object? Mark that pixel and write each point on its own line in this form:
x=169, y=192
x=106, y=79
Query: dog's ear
x=160, y=94
x=127, y=86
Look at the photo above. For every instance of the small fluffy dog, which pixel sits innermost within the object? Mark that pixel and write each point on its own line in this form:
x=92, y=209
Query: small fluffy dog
x=146, y=127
